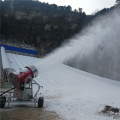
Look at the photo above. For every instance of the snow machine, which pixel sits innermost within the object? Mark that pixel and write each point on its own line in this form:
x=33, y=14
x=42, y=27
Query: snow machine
x=22, y=82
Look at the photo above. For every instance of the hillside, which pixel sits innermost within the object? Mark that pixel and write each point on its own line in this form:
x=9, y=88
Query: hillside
x=45, y=27
x=40, y=24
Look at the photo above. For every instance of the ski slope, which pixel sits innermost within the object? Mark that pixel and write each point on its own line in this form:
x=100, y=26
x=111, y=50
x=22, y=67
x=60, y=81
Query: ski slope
x=71, y=93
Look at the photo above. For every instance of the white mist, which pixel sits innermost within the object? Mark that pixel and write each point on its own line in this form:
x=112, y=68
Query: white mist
x=104, y=30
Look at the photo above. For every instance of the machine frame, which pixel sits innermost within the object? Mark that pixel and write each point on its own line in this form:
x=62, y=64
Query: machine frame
x=25, y=93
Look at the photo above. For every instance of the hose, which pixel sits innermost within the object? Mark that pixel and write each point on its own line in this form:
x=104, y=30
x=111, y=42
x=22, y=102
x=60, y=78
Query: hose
x=7, y=91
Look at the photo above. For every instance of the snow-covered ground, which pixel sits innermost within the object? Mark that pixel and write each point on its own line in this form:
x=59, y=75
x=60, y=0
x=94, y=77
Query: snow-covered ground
x=72, y=93
x=77, y=95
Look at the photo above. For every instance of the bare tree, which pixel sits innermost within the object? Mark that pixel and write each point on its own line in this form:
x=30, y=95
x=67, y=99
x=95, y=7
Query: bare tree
x=96, y=11
x=80, y=10
x=117, y=1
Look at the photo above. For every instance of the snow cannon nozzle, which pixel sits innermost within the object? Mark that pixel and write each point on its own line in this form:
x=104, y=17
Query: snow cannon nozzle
x=18, y=78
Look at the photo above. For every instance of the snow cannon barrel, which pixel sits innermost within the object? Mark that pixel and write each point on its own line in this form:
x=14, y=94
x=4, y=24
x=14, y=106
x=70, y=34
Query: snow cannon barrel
x=18, y=78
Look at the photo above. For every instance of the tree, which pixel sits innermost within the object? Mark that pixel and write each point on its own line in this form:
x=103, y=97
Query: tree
x=75, y=10
x=95, y=12
x=68, y=8
x=80, y=10
x=61, y=8
x=54, y=7
x=117, y=1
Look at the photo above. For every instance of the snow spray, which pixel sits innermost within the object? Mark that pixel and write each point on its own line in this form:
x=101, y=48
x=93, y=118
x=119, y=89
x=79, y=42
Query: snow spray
x=103, y=31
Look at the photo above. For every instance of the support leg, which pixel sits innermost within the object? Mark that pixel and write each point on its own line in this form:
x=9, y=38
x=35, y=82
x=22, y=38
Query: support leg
x=9, y=99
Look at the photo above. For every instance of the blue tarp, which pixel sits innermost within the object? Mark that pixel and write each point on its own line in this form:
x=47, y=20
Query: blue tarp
x=11, y=48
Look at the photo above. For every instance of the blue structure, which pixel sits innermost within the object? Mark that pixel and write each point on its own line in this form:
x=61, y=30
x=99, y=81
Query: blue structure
x=16, y=49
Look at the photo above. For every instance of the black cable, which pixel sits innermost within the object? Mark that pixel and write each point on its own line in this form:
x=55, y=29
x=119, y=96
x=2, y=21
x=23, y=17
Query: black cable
x=7, y=91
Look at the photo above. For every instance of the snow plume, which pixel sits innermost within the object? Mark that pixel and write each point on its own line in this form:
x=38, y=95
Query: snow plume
x=104, y=60
x=103, y=34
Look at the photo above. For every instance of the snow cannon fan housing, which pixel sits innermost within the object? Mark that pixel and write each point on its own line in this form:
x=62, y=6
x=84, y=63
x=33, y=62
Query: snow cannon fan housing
x=18, y=78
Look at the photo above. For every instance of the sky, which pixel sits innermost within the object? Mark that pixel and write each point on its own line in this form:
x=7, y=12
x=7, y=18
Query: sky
x=89, y=6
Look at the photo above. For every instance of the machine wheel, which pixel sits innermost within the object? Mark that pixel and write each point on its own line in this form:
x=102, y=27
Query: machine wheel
x=40, y=102
x=2, y=101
